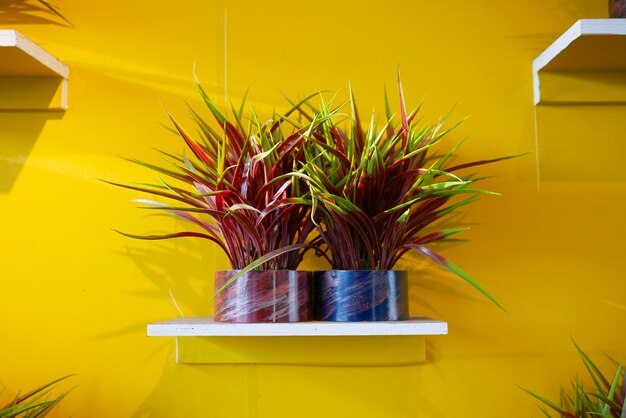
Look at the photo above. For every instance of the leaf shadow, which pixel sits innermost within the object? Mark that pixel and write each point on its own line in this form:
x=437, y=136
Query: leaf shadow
x=172, y=267
x=428, y=280
x=33, y=12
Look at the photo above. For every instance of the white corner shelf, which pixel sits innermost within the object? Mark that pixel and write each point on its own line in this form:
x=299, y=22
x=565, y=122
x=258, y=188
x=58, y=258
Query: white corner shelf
x=590, y=45
x=25, y=65
x=206, y=327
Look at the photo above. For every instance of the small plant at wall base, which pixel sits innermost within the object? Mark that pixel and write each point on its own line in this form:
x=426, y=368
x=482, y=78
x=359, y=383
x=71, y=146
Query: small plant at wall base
x=241, y=188
x=376, y=191
x=605, y=400
x=33, y=404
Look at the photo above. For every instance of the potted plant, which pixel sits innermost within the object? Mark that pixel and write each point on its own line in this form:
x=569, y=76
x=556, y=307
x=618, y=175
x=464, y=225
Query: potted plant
x=375, y=192
x=605, y=400
x=239, y=187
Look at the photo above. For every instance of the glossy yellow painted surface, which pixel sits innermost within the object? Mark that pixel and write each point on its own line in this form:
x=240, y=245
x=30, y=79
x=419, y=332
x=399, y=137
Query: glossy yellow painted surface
x=75, y=297
x=31, y=93
x=575, y=87
x=370, y=351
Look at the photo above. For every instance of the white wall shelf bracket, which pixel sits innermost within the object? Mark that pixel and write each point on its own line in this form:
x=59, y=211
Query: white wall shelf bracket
x=31, y=79
x=586, y=64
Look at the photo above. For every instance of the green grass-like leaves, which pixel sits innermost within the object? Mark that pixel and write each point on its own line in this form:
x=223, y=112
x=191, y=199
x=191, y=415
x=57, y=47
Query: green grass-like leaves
x=240, y=185
x=606, y=399
x=317, y=178
x=377, y=190
x=33, y=404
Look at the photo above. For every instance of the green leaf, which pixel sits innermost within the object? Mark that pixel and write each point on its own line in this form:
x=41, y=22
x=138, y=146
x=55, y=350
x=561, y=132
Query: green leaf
x=597, y=376
x=454, y=269
x=549, y=403
x=31, y=404
x=243, y=206
x=259, y=262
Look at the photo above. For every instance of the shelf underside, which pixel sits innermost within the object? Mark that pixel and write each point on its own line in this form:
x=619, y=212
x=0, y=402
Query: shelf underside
x=30, y=77
x=591, y=52
x=20, y=57
x=586, y=64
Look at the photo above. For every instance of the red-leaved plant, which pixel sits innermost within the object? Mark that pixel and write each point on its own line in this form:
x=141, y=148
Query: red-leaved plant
x=375, y=191
x=239, y=187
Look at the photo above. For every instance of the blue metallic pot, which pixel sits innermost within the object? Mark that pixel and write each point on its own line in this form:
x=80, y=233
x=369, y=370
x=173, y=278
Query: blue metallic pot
x=361, y=295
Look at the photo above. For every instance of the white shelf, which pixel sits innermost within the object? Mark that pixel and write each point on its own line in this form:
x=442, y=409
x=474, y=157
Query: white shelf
x=206, y=327
x=23, y=64
x=589, y=45
x=21, y=57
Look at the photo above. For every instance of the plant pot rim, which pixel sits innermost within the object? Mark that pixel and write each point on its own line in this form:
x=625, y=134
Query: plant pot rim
x=262, y=271
x=324, y=271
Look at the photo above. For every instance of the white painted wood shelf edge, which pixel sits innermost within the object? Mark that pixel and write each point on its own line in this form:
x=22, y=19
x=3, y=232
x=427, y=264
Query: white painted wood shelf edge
x=206, y=327
x=33, y=61
x=14, y=39
x=582, y=27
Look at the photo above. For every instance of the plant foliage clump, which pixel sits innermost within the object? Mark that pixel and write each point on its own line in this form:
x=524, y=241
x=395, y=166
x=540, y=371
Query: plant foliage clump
x=377, y=190
x=605, y=400
x=360, y=196
x=240, y=185
x=33, y=404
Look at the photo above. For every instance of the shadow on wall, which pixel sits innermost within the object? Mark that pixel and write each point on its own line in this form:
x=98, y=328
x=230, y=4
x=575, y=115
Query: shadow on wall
x=196, y=390
x=35, y=12
x=20, y=129
x=18, y=133
x=588, y=148
x=575, y=8
x=274, y=391
x=172, y=268
x=429, y=281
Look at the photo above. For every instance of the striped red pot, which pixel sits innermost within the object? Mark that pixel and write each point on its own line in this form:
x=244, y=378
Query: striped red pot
x=264, y=296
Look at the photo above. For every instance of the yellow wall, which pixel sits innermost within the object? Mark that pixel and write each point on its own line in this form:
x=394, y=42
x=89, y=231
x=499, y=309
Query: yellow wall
x=75, y=297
